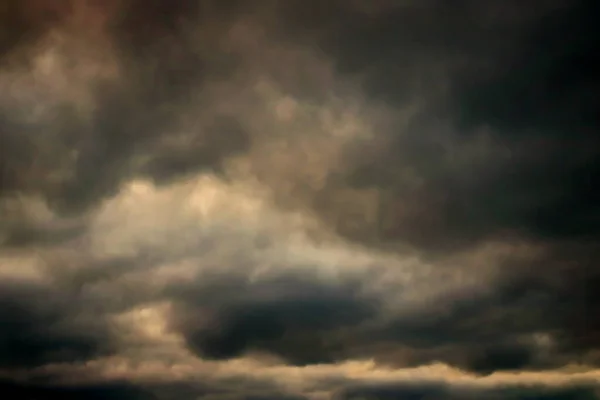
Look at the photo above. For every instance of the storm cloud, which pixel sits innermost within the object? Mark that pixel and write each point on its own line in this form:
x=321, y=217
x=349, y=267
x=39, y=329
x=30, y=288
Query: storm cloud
x=304, y=200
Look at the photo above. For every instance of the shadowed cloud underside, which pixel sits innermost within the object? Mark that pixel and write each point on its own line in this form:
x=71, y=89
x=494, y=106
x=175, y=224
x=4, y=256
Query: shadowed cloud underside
x=299, y=200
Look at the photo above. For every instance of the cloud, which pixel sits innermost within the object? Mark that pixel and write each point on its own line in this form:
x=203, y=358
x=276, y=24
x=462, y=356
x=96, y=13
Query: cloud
x=41, y=327
x=104, y=391
x=120, y=390
x=287, y=317
x=228, y=200
x=433, y=392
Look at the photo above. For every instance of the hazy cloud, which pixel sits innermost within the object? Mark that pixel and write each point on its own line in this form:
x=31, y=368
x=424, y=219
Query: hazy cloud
x=304, y=200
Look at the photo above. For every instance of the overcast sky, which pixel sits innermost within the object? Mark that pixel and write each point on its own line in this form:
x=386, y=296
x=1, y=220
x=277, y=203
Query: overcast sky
x=308, y=200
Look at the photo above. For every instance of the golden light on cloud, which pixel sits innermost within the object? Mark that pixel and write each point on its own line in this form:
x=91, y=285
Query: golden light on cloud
x=342, y=200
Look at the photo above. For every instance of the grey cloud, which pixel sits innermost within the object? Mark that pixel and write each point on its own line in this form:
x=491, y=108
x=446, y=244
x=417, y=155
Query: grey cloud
x=157, y=391
x=545, y=84
x=424, y=391
x=141, y=391
x=456, y=173
x=484, y=128
x=41, y=326
x=97, y=392
x=291, y=317
x=527, y=321
x=213, y=391
x=160, y=72
x=26, y=222
x=539, y=315
x=531, y=178
x=23, y=22
x=164, y=68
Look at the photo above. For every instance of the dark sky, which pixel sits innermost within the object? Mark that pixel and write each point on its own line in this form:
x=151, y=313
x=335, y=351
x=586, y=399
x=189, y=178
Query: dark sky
x=261, y=199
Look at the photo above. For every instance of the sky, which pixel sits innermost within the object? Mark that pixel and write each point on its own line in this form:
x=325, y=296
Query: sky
x=307, y=200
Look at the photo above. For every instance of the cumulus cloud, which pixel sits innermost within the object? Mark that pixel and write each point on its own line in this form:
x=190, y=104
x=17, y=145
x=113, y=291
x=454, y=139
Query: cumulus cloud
x=299, y=200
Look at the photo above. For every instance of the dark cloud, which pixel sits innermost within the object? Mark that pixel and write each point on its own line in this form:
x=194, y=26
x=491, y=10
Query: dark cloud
x=530, y=320
x=25, y=21
x=96, y=392
x=508, y=146
x=162, y=66
x=424, y=391
x=122, y=390
x=142, y=391
x=544, y=87
x=527, y=321
x=224, y=136
x=23, y=235
x=41, y=326
x=510, y=150
x=485, y=130
x=293, y=318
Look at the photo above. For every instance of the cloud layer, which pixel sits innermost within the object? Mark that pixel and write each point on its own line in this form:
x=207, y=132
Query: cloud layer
x=299, y=200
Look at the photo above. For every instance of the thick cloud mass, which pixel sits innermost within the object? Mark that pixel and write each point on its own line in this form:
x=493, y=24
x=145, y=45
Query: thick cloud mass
x=437, y=392
x=40, y=327
x=299, y=200
x=298, y=321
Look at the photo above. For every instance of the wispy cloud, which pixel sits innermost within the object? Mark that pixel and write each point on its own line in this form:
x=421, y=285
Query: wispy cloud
x=303, y=200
